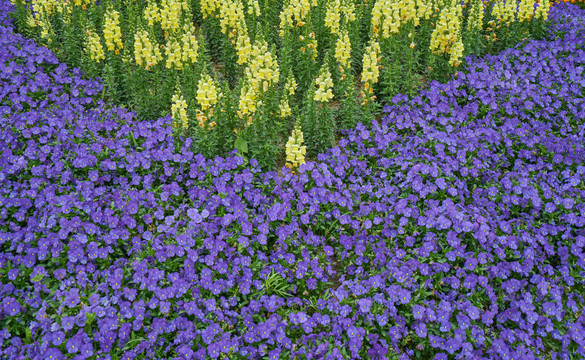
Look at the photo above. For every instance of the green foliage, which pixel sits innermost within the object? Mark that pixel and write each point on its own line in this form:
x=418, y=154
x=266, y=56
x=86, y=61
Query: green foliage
x=301, y=41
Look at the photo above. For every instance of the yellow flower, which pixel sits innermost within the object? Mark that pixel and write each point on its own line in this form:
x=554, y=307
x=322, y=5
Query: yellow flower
x=248, y=102
x=254, y=8
x=343, y=49
x=291, y=84
x=146, y=52
x=94, y=46
x=295, y=151
x=152, y=13
x=170, y=14
x=112, y=32
x=285, y=110
x=262, y=67
x=332, y=15
x=541, y=12
x=293, y=12
x=324, y=93
x=209, y=7
x=243, y=48
x=174, y=55
x=190, y=44
x=179, y=110
x=525, y=10
x=370, y=72
x=448, y=32
x=207, y=94
x=475, y=22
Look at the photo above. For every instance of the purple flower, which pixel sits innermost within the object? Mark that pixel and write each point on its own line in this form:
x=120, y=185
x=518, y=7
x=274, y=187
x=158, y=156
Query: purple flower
x=421, y=330
x=68, y=322
x=418, y=311
x=73, y=345
x=473, y=312
x=11, y=306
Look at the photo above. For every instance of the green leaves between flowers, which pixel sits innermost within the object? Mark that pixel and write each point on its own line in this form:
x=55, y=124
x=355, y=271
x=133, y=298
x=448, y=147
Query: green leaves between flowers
x=242, y=145
x=274, y=284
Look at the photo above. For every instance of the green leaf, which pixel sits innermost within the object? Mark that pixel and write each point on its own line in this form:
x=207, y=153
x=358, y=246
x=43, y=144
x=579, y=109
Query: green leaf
x=241, y=145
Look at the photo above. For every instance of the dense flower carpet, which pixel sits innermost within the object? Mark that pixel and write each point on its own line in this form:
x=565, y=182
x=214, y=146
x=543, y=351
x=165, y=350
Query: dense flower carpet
x=451, y=229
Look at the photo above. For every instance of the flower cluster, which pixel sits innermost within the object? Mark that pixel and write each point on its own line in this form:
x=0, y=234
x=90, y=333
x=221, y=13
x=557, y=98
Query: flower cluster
x=209, y=7
x=93, y=46
x=207, y=93
x=179, y=110
x=112, y=32
x=446, y=37
x=152, y=13
x=324, y=91
x=295, y=151
x=232, y=18
x=170, y=14
x=190, y=44
x=525, y=10
x=475, y=22
x=504, y=11
x=262, y=71
x=146, y=51
x=389, y=15
x=173, y=51
x=343, y=50
x=294, y=13
x=333, y=16
x=371, y=70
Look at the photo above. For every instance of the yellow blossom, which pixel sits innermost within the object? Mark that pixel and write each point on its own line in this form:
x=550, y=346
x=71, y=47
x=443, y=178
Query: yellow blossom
x=295, y=151
x=207, y=94
x=179, y=110
x=190, y=44
x=174, y=55
x=112, y=32
x=324, y=93
x=285, y=109
x=94, y=46
x=146, y=52
x=343, y=49
x=370, y=72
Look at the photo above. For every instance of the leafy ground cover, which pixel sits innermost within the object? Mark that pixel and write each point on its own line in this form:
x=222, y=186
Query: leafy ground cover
x=453, y=228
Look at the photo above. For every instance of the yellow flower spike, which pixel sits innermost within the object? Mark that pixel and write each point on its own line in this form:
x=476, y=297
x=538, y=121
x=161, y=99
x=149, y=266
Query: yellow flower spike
x=324, y=92
x=333, y=16
x=294, y=13
x=475, y=22
x=174, y=55
x=343, y=50
x=190, y=45
x=209, y=7
x=248, y=102
x=112, y=32
x=285, y=110
x=291, y=85
x=262, y=69
x=207, y=94
x=152, y=13
x=94, y=46
x=146, y=52
x=179, y=110
x=370, y=72
x=295, y=151
x=541, y=12
x=525, y=10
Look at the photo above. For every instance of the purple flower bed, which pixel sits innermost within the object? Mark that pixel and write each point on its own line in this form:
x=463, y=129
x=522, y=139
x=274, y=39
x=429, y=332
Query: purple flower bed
x=451, y=229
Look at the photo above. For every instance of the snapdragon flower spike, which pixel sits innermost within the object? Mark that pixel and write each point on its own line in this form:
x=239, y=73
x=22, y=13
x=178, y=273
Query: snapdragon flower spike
x=427, y=231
